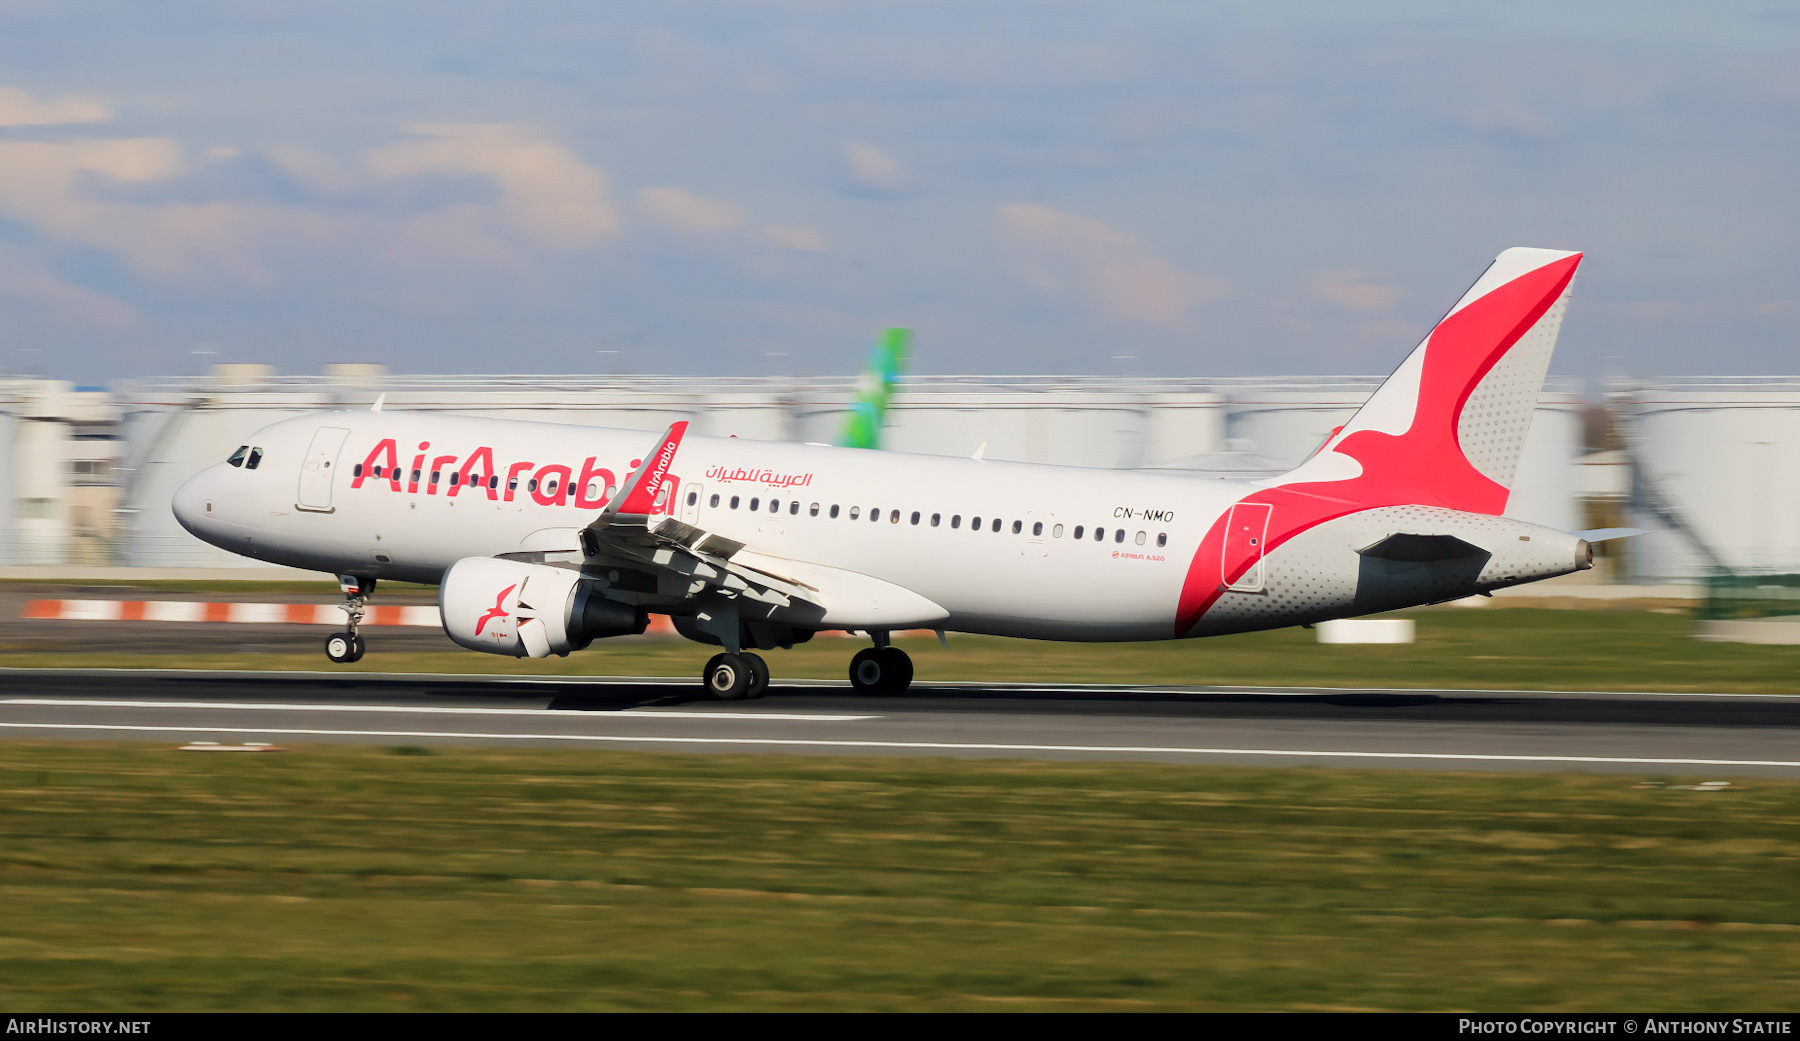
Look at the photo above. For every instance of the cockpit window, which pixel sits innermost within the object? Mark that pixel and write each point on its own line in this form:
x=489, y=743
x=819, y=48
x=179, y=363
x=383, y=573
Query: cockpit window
x=237, y=457
x=255, y=457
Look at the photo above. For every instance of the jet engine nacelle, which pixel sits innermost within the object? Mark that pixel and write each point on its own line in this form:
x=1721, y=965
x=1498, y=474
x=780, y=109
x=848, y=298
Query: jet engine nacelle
x=528, y=610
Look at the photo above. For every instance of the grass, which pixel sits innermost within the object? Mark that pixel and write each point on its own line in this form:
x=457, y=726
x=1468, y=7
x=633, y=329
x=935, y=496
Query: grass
x=1515, y=648
x=140, y=878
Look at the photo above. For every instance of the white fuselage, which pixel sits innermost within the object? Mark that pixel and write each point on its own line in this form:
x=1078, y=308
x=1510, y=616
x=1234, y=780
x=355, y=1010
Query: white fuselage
x=1079, y=554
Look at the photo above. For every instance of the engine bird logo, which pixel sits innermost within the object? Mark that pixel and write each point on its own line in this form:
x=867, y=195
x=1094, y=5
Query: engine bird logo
x=496, y=611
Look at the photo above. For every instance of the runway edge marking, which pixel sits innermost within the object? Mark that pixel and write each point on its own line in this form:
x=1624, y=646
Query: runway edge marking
x=442, y=710
x=942, y=746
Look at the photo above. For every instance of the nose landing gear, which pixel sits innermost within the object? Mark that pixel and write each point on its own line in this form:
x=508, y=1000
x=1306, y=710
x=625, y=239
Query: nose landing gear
x=347, y=647
x=343, y=648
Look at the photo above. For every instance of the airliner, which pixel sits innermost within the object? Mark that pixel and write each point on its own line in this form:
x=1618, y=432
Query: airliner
x=543, y=538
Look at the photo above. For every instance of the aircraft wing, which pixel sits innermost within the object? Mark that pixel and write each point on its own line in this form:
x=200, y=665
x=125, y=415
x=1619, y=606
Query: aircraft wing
x=685, y=560
x=673, y=562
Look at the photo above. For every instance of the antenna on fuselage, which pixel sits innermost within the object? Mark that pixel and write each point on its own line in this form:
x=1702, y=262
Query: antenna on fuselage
x=379, y=399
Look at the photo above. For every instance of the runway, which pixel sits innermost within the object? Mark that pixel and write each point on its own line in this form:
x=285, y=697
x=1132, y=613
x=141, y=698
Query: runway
x=1650, y=734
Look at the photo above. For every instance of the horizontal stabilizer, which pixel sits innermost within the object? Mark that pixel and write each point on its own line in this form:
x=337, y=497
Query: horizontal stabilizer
x=1421, y=548
x=1608, y=534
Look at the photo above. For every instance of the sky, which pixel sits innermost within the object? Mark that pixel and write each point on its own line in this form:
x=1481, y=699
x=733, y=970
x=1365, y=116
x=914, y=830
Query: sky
x=744, y=188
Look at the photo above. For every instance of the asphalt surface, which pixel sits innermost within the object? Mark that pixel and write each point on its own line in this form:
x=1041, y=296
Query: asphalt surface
x=1687, y=735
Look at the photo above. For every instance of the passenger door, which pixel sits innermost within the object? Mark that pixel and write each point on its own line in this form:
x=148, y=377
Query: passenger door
x=1241, y=561
x=315, y=470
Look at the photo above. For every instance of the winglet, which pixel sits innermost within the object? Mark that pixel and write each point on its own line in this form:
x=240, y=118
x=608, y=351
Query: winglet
x=639, y=495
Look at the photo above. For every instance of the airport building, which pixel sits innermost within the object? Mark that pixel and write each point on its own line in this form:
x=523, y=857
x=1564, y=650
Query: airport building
x=86, y=475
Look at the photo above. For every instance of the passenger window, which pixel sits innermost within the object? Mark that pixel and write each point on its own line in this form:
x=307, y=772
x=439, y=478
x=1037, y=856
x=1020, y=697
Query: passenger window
x=1119, y=535
x=693, y=497
x=855, y=512
x=1140, y=538
x=454, y=478
x=1162, y=539
x=1018, y=526
x=1099, y=534
x=237, y=457
x=530, y=485
x=956, y=520
x=376, y=470
x=794, y=508
x=774, y=505
x=493, y=480
x=974, y=523
x=935, y=518
x=435, y=474
x=256, y=457
x=915, y=517
x=415, y=479
x=814, y=511
x=894, y=518
x=356, y=471
x=1038, y=528
x=996, y=524
x=714, y=501
x=512, y=484
x=834, y=511
x=734, y=502
x=875, y=516
x=1056, y=532
x=1079, y=529
x=754, y=503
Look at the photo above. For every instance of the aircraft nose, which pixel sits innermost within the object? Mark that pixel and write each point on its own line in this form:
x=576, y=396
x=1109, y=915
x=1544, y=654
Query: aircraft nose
x=193, y=502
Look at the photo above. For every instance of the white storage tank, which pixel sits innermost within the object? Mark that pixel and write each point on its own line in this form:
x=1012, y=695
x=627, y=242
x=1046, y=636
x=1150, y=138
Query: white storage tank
x=1722, y=454
x=1284, y=420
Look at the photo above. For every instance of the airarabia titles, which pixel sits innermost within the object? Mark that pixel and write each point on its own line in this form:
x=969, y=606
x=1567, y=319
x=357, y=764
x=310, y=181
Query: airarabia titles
x=549, y=484
x=768, y=477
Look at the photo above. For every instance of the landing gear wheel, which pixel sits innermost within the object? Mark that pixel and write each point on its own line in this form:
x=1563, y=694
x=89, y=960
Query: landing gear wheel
x=342, y=648
x=759, y=674
x=727, y=677
x=356, y=648
x=901, y=666
x=872, y=671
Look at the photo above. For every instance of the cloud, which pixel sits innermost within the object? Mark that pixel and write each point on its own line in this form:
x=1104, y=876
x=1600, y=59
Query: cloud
x=19, y=109
x=683, y=210
x=24, y=280
x=74, y=192
x=872, y=169
x=797, y=237
x=1355, y=291
x=1059, y=254
x=546, y=191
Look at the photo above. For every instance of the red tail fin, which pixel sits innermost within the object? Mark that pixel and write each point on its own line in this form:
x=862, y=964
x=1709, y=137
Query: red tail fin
x=1444, y=430
x=1447, y=427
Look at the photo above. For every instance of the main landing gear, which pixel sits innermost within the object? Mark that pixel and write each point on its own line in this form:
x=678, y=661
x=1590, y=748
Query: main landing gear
x=346, y=647
x=881, y=669
x=730, y=677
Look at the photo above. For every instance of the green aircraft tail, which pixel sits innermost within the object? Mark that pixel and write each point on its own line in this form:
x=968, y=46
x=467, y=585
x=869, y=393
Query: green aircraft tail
x=862, y=425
